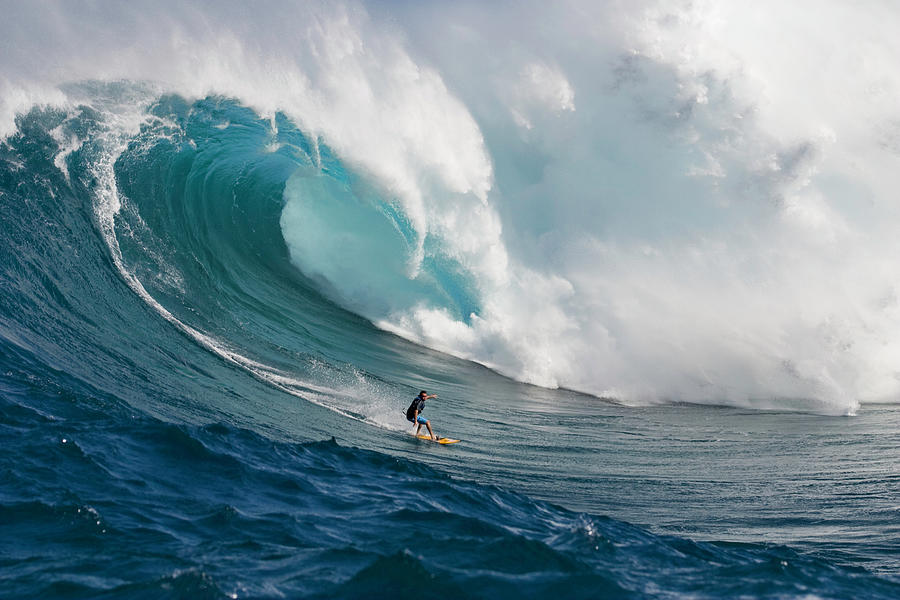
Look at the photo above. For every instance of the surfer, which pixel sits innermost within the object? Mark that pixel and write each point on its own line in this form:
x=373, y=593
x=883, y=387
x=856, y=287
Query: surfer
x=413, y=413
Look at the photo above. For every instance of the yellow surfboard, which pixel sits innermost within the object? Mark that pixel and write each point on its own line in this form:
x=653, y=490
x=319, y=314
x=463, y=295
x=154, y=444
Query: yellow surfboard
x=442, y=440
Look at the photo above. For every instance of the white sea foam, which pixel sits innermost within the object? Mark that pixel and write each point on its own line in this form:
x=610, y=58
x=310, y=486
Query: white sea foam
x=690, y=201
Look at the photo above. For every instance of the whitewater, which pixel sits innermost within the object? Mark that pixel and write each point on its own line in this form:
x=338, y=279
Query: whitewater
x=643, y=252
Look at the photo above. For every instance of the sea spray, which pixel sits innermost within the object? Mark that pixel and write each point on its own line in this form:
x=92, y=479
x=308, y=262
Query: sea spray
x=638, y=202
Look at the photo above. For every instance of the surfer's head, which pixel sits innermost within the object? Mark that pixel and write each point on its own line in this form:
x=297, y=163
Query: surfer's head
x=423, y=393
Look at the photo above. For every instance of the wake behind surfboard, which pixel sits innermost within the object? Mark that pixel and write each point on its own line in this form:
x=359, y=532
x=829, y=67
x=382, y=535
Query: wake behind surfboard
x=442, y=440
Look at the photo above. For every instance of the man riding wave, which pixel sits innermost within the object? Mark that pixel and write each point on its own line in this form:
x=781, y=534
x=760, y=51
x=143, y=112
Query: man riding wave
x=414, y=416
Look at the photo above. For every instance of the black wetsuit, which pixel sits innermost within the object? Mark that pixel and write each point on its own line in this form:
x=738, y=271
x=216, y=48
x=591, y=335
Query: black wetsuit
x=418, y=404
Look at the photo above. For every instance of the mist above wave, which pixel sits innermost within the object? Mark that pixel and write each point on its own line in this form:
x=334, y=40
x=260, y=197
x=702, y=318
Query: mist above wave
x=652, y=201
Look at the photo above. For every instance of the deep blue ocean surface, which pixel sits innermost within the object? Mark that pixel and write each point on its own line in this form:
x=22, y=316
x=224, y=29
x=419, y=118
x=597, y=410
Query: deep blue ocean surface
x=185, y=414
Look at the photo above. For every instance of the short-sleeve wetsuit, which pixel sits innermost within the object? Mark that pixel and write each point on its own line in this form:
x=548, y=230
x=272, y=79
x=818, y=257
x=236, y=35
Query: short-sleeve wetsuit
x=418, y=404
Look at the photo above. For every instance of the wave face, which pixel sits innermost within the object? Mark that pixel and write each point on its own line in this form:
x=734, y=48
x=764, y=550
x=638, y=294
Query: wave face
x=261, y=231
x=643, y=202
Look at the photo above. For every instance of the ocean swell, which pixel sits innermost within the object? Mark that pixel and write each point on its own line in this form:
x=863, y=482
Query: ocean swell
x=110, y=506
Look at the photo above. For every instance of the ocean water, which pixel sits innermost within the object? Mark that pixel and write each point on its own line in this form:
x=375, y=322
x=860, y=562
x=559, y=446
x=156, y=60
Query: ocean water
x=656, y=299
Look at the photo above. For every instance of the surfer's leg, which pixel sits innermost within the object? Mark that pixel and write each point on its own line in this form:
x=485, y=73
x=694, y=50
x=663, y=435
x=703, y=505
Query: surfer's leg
x=421, y=421
x=428, y=425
